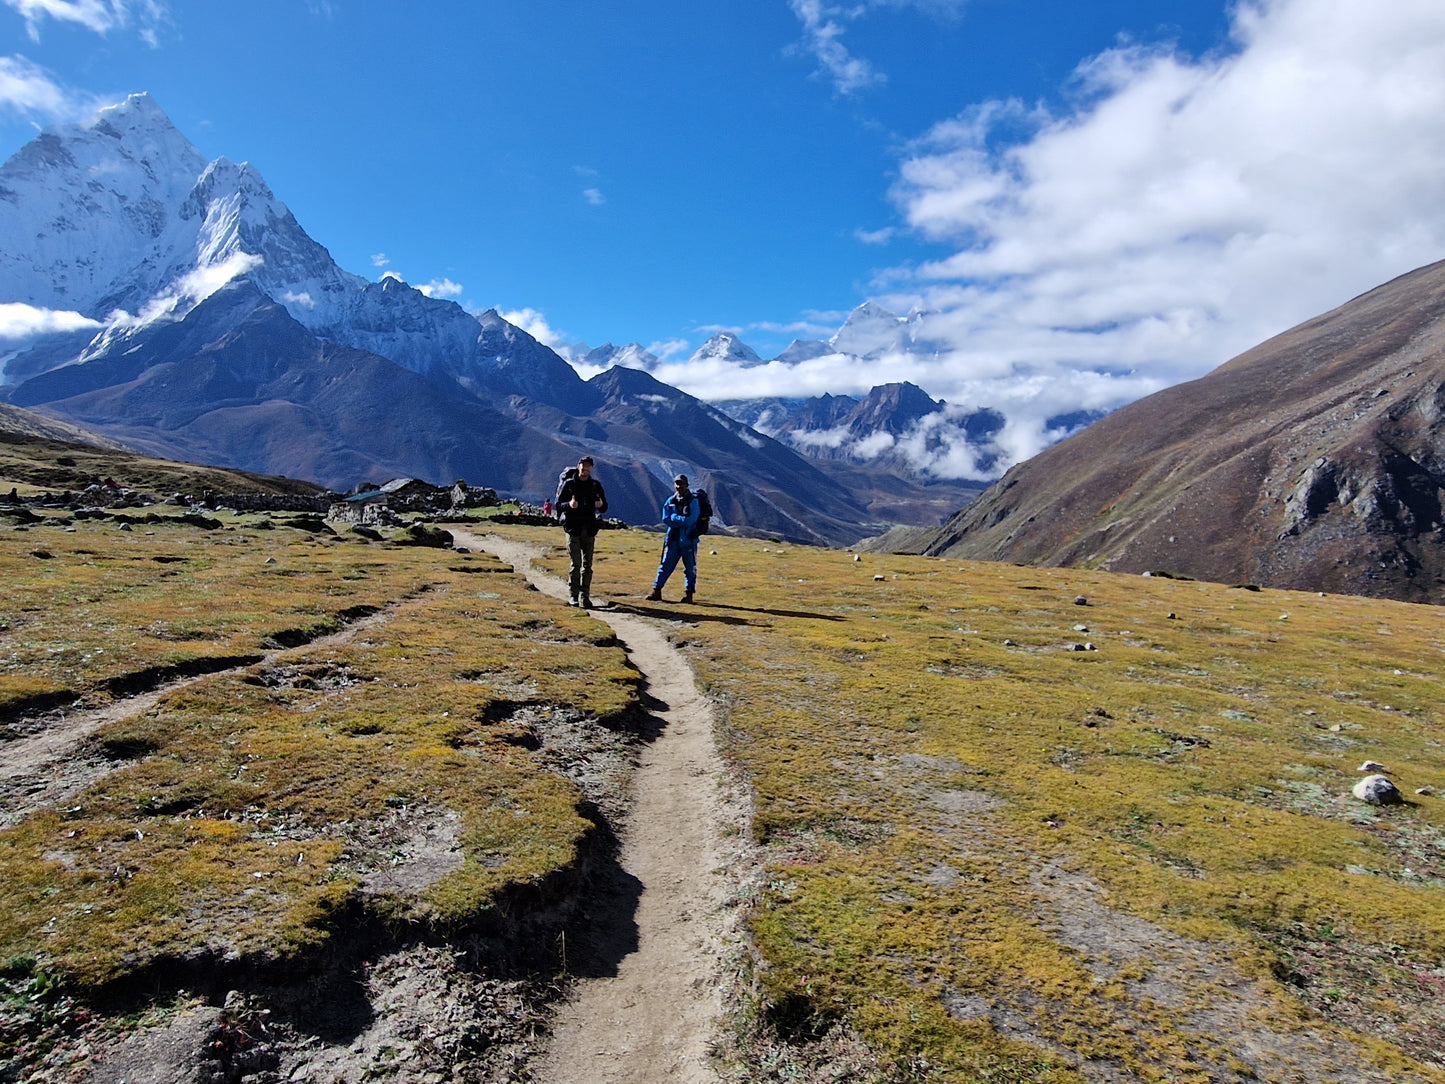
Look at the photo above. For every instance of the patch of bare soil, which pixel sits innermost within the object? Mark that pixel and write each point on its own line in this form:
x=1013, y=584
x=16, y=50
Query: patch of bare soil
x=661, y=936
x=418, y=1014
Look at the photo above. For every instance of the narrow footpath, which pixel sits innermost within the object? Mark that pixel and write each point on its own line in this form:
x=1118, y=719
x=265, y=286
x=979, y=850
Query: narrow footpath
x=653, y=1018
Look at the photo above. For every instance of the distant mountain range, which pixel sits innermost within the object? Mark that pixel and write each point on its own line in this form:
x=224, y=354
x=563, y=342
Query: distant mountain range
x=1314, y=461
x=176, y=305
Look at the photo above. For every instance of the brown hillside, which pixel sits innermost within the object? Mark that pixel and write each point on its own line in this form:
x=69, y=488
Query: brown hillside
x=1314, y=461
x=39, y=452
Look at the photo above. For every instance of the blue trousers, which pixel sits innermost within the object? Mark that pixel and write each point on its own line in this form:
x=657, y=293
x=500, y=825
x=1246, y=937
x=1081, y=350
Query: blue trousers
x=673, y=550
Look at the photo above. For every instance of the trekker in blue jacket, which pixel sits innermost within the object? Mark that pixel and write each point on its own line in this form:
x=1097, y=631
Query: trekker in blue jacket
x=679, y=516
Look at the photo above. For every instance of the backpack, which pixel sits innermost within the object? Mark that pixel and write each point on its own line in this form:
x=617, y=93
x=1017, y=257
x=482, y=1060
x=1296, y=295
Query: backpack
x=566, y=476
x=704, y=512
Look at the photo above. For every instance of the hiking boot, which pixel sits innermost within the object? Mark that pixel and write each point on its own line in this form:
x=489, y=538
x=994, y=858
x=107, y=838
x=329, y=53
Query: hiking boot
x=656, y=595
x=687, y=597
x=587, y=603
x=572, y=601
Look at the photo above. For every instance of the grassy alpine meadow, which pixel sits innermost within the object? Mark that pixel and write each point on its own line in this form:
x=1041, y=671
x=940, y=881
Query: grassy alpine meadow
x=396, y=773
x=1018, y=821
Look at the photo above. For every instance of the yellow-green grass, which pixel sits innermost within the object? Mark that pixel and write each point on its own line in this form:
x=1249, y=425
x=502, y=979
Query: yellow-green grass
x=92, y=606
x=944, y=784
x=232, y=823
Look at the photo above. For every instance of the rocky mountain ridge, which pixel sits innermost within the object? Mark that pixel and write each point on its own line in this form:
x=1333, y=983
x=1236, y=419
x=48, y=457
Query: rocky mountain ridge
x=1315, y=460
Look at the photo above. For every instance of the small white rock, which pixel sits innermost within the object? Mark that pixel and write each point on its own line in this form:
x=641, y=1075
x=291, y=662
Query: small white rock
x=1371, y=766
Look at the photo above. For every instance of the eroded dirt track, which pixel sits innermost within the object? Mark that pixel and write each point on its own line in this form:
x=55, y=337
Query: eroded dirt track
x=650, y=998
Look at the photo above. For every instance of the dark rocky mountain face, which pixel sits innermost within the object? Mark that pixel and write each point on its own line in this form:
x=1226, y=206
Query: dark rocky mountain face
x=1314, y=461
x=755, y=481
x=896, y=429
x=239, y=382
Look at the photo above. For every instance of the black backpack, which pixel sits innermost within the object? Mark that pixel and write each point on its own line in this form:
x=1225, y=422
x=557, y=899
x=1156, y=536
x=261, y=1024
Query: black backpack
x=704, y=512
x=566, y=476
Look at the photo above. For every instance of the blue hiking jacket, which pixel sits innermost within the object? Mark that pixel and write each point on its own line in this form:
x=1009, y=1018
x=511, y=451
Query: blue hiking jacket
x=680, y=521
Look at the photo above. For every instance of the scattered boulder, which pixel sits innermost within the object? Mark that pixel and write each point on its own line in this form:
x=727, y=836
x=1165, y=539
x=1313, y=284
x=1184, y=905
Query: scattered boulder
x=1371, y=766
x=1377, y=790
x=419, y=534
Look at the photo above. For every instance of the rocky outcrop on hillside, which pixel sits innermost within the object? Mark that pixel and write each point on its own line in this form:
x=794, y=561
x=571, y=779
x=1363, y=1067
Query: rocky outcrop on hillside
x=1314, y=461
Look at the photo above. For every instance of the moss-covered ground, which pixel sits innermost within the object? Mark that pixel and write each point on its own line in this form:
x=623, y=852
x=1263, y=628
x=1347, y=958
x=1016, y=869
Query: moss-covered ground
x=1019, y=822
x=228, y=825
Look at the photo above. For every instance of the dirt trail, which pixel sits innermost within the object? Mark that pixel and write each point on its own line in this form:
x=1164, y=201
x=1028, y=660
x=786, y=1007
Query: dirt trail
x=649, y=1014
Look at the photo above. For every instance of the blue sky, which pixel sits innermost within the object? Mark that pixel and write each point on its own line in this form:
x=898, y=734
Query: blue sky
x=632, y=169
x=1091, y=199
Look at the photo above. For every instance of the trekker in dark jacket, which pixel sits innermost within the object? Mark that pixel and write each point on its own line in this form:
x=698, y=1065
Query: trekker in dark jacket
x=581, y=503
x=679, y=515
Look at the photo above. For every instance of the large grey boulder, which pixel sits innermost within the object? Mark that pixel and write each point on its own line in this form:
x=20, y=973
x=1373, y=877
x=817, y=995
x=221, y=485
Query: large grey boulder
x=1377, y=790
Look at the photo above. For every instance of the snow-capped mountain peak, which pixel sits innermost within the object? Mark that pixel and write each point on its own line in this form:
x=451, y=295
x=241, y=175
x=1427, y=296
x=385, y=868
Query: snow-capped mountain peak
x=80, y=200
x=122, y=221
x=725, y=346
x=869, y=330
x=631, y=356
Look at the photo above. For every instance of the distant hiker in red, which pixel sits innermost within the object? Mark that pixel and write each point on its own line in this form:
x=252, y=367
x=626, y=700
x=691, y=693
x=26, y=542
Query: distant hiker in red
x=581, y=502
x=547, y=507
x=680, y=514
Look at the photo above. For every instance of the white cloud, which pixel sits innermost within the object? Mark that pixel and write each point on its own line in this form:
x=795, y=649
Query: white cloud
x=1178, y=211
x=303, y=299
x=824, y=25
x=100, y=16
x=26, y=88
x=442, y=287
x=190, y=290
x=667, y=349
x=594, y=196
x=823, y=28
x=391, y=275
x=1188, y=209
x=19, y=321
x=876, y=237
x=535, y=324
x=379, y=259
x=820, y=439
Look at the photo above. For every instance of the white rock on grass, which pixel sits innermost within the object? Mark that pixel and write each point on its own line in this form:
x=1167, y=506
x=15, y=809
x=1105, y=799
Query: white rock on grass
x=1371, y=766
x=1377, y=790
